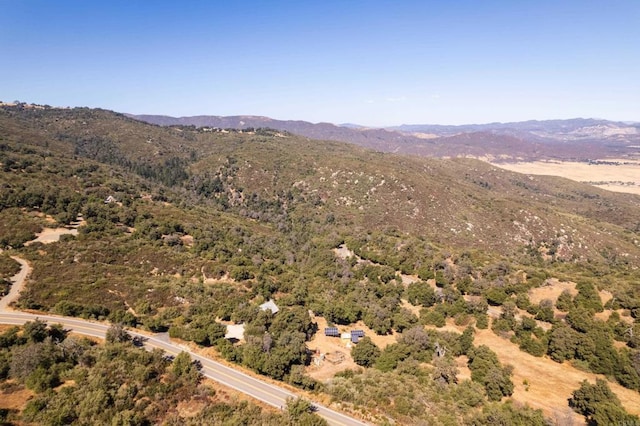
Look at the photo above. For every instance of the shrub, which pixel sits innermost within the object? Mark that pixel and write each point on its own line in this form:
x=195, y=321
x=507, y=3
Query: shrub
x=482, y=321
x=433, y=317
x=496, y=296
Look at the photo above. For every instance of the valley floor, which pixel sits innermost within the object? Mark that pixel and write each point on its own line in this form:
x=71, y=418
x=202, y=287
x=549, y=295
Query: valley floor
x=624, y=177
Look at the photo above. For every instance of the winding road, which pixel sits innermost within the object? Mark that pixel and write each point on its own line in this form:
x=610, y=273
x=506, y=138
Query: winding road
x=271, y=394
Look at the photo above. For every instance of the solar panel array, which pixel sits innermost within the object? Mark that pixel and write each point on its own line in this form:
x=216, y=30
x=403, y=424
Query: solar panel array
x=359, y=333
x=331, y=332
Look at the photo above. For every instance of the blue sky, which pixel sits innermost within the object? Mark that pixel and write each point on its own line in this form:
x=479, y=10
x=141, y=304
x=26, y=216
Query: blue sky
x=375, y=63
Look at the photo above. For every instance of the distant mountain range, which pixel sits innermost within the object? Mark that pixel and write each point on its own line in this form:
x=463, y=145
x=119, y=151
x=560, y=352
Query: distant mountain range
x=575, y=139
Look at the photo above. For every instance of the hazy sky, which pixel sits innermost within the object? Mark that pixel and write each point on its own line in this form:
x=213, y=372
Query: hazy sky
x=367, y=62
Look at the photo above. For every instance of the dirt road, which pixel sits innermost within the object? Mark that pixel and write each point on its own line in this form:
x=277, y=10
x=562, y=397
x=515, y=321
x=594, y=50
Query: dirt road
x=18, y=281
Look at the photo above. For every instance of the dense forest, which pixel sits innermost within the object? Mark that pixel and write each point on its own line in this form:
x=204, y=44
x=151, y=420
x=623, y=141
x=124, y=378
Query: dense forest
x=184, y=231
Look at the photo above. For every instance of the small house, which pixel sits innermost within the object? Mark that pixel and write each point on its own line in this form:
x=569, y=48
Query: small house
x=235, y=331
x=270, y=305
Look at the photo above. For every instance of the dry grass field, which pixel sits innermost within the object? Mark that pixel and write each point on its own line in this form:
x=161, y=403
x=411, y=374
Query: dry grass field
x=14, y=398
x=624, y=177
x=543, y=383
x=551, y=291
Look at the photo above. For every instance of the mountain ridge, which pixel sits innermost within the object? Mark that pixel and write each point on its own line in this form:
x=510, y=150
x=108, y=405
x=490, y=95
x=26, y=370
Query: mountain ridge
x=573, y=139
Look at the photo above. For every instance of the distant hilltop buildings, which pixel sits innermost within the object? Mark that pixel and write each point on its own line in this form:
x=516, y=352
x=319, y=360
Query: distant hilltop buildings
x=26, y=105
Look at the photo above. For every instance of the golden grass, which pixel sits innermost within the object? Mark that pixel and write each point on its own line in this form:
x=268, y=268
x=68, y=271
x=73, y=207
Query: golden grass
x=550, y=383
x=15, y=399
x=552, y=290
x=618, y=178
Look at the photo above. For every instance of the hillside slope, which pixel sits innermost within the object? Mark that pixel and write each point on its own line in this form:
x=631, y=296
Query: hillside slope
x=188, y=229
x=464, y=203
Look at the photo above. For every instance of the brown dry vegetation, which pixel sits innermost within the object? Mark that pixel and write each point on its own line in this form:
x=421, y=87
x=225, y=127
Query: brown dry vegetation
x=619, y=178
x=14, y=396
x=550, y=383
x=551, y=290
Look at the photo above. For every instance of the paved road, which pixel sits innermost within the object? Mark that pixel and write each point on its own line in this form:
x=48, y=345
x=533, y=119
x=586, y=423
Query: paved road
x=258, y=389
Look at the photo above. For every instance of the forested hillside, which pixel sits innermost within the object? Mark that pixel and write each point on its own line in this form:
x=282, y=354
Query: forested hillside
x=187, y=231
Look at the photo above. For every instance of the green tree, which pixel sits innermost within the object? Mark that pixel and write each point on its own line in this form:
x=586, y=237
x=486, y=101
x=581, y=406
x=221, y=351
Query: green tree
x=301, y=412
x=35, y=331
x=605, y=359
x=533, y=346
x=42, y=379
x=123, y=317
x=563, y=341
x=496, y=296
x=522, y=301
x=215, y=331
x=421, y=293
x=482, y=321
x=580, y=319
x=588, y=297
x=599, y=404
x=298, y=378
x=365, y=352
x=486, y=369
x=545, y=311
x=379, y=319
x=404, y=319
x=116, y=333
x=340, y=312
x=184, y=368
x=10, y=338
x=565, y=301
x=392, y=355
x=432, y=317
x=294, y=319
x=466, y=340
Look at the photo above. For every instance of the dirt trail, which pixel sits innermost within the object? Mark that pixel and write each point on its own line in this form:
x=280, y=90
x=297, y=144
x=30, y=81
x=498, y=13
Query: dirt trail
x=18, y=281
x=47, y=236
